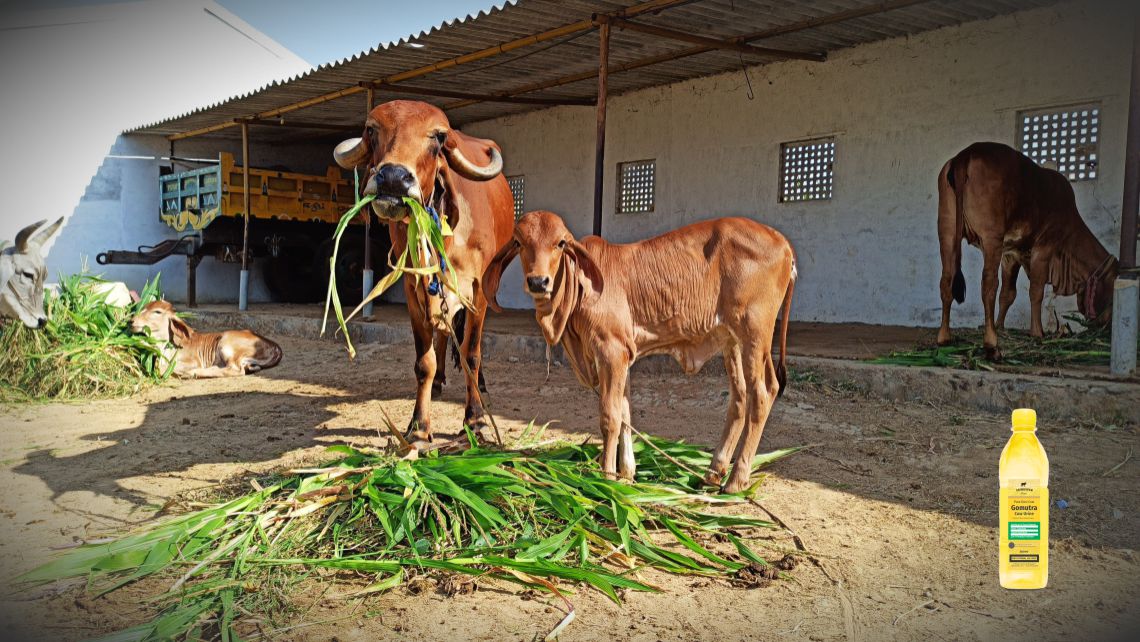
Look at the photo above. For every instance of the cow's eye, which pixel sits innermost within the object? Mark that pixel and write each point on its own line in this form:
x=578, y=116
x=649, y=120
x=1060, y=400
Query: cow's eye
x=28, y=275
x=440, y=137
x=562, y=244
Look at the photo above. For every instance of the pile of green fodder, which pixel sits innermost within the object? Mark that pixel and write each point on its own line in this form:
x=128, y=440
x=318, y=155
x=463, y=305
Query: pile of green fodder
x=85, y=351
x=1089, y=347
x=544, y=517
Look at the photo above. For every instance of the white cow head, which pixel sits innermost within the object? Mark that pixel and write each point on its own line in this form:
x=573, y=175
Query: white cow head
x=22, y=274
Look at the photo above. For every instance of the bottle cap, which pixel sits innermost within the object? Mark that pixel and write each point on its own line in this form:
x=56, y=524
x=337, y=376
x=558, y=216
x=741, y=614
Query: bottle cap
x=1024, y=419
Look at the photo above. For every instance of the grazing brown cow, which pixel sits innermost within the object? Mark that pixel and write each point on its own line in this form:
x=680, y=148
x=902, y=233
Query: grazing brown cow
x=202, y=355
x=1020, y=215
x=410, y=150
x=707, y=288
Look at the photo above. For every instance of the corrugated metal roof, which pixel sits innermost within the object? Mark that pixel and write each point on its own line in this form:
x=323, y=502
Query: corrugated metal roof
x=575, y=54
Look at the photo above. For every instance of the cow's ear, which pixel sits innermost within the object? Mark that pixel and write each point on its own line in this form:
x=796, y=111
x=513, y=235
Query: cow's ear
x=494, y=273
x=179, y=331
x=586, y=263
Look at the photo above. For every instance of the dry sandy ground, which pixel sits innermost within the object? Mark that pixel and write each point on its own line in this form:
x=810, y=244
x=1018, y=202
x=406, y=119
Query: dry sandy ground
x=899, y=503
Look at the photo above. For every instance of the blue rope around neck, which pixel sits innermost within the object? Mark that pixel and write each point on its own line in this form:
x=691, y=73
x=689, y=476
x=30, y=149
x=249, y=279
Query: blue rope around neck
x=434, y=286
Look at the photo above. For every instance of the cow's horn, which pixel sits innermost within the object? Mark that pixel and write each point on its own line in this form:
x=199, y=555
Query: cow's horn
x=468, y=169
x=46, y=233
x=350, y=153
x=24, y=235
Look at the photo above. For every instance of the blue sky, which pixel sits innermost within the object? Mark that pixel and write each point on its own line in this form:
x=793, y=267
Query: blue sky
x=321, y=32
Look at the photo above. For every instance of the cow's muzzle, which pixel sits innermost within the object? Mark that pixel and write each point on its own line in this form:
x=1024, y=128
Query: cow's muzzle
x=390, y=184
x=538, y=285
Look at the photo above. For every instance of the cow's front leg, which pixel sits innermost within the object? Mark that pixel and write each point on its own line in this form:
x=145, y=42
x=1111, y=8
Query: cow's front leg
x=612, y=377
x=440, y=380
x=1038, y=275
x=991, y=262
x=419, y=427
x=627, y=464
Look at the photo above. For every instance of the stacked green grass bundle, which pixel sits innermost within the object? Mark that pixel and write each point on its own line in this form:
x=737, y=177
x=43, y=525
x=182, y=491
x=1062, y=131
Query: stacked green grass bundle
x=545, y=518
x=1090, y=347
x=85, y=351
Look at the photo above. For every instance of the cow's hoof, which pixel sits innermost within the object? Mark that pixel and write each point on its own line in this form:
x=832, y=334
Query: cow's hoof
x=993, y=353
x=713, y=478
x=734, y=486
x=436, y=389
x=417, y=435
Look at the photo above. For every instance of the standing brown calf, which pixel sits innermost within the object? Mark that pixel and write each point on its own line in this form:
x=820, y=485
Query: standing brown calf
x=707, y=288
x=1021, y=215
x=201, y=355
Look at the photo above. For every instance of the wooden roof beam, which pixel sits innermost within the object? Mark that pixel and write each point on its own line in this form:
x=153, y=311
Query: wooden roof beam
x=550, y=34
x=710, y=43
x=794, y=27
x=491, y=98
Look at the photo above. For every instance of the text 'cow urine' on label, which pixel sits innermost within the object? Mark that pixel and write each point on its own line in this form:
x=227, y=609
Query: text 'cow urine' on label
x=1023, y=553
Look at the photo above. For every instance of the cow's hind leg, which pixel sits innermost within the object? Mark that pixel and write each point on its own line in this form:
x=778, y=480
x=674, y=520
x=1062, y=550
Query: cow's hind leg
x=734, y=421
x=471, y=350
x=761, y=386
x=1010, y=268
x=950, y=230
x=991, y=262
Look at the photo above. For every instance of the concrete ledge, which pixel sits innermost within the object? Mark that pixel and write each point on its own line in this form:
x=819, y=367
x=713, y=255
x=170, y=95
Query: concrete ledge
x=1105, y=402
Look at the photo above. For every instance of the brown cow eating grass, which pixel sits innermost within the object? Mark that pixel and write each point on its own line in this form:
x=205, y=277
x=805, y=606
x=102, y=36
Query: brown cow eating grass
x=201, y=355
x=1020, y=215
x=712, y=287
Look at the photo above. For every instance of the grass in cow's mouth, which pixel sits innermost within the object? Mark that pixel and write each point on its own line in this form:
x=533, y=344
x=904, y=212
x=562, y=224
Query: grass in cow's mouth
x=543, y=517
x=1090, y=347
x=424, y=238
x=86, y=350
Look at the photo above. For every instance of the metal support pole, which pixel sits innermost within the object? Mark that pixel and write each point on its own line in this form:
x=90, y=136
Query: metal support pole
x=600, y=149
x=1131, y=163
x=1127, y=288
x=243, y=287
x=192, y=262
x=369, y=276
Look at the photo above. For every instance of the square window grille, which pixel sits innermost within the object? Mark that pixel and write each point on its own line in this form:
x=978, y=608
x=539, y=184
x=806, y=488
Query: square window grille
x=1066, y=136
x=518, y=191
x=636, y=183
x=807, y=170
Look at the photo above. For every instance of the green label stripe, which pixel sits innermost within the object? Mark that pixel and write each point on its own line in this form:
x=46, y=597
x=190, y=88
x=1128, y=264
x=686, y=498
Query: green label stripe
x=1025, y=530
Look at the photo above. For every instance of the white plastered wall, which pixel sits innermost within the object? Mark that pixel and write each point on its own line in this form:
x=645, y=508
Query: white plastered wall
x=898, y=109
x=74, y=78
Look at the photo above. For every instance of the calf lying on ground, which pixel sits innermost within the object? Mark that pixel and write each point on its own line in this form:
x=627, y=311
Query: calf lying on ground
x=199, y=355
x=714, y=286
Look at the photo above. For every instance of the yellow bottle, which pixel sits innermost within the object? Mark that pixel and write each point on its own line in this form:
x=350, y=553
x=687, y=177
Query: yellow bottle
x=1023, y=557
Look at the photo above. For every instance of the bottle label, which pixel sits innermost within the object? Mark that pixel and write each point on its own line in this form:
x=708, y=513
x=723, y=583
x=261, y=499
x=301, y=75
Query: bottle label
x=1023, y=506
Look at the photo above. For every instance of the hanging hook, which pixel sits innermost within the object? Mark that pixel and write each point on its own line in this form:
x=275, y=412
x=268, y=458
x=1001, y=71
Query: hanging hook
x=744, y=70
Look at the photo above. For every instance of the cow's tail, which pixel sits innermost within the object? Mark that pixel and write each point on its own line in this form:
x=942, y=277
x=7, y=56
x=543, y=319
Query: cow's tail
x=956, y=176
x=781, y=367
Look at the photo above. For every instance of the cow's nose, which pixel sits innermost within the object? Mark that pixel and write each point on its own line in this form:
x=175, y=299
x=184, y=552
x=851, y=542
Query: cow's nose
x=538, y=284
x=41, y=322
x=395, y=180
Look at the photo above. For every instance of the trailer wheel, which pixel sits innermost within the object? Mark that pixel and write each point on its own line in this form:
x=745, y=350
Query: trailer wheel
x=293, y=277
x=350, y=265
